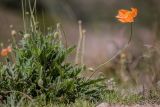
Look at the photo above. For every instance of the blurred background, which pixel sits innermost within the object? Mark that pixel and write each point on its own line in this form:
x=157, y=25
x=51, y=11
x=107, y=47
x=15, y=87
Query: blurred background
x=104, y=36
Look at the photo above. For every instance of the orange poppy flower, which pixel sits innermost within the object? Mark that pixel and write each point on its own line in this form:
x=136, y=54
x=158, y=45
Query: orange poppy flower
x=126, y=16
x=6, y=51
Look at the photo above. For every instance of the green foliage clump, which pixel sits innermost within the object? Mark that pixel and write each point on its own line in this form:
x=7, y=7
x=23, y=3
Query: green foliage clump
x=39, y=70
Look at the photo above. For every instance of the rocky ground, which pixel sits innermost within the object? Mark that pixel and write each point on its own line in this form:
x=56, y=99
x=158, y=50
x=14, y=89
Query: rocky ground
x=117, y=105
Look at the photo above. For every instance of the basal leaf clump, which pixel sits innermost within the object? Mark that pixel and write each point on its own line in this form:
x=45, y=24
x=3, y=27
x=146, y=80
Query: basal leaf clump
x=38, y=70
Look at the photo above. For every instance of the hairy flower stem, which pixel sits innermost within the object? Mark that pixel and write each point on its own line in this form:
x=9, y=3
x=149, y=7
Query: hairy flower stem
x=115, y=55
x=130, y=38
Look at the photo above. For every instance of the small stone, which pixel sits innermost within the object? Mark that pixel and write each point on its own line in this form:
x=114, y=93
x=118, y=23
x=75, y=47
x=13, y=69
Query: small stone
x=90, y=69
x=103, y=105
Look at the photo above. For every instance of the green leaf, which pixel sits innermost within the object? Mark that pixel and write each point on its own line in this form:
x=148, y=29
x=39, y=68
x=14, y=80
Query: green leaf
x=89, y=82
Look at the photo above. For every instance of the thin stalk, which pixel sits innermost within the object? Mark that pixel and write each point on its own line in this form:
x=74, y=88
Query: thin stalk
x=13, y=57
x=43, y=22
x=115, y=55
x=64, y=34
x=23, y=13
x=33, y=21
x=59, y=33
x=14, y=40
x=83, y=47
x=131, y=28
x=34, y=6
x=79, y=43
